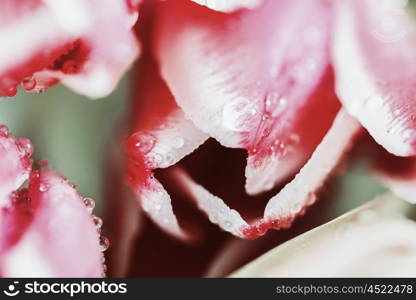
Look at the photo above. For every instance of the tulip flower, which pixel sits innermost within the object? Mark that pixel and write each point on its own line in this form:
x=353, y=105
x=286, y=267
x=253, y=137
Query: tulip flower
x=240, y=113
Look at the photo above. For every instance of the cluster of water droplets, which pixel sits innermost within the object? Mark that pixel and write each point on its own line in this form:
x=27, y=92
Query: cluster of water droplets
x=24, y=145
x=98, y=222
x=141, y=144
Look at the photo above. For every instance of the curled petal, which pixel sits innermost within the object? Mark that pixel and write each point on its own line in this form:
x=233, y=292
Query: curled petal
x=372, y=241
x=374, y=58
x=211, y=63
x=228, y=5
x=42, y=215
x=299, y=193
x=15, y=163
x=85, y=44
x=294, y=198
x=161, y=137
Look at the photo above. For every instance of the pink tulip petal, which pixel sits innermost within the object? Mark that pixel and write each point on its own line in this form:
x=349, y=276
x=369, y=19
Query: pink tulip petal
x=265, y=170
x=85, y=44
x=15, y=163
x=56, y=235
x=162, y=136
x=293, y=199
x=251, y=74
x=299, y=193
x=374, y=58
x=228, y=5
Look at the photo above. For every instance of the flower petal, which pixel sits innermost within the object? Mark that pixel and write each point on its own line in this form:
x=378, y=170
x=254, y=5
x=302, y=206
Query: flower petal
x=161, y=137
x=51, y=209
x=15, y=163
x=294, y=198
x=374, y=58
x=211, y=64
x=228, y=5
x=371, y=241
x=85, y=44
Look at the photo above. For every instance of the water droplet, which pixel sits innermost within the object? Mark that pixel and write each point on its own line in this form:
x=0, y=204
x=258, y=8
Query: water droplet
x=169, y=159
x=141, y=142
x=178, y=142
x=265, y=117
x=29, y=83
x=97, y=221
x=397, y=112
x=158, y=207
x=89, y=204
x=4, y=131
x=282, y=101
x=104, y=243
x=25, y=146
x=156, y=158
x=271, y=99
x=11, y=91
x=227, y=225
x=213, y=218
x=297, y=207
x=407, y=134
x=102, y=259
x=237, y=114
x=294, y=138
x=43, y=187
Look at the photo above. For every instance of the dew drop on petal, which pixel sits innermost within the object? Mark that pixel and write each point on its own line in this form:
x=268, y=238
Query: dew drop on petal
x=43, y=187
x=89, y=204
x=29, y=83
x=294, y=138
x=4, y=131
x=227, y=225
x=178, y=142
x=98, y=222
x=25, y=146
x=169, y=159
x=236, y=114
x=12, y=91
x=104, y=243
x=141, y=142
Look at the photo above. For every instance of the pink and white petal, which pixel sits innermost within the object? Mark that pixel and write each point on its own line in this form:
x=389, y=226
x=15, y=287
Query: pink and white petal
x=216, y=209
x=161, y=137
x=48, y=35
x=15, y=163
x=299, y=193
x=373, y=56
x=293, y=199
x=265, y=169
x=229, y=5
x=57, y=210
x=249, y=101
